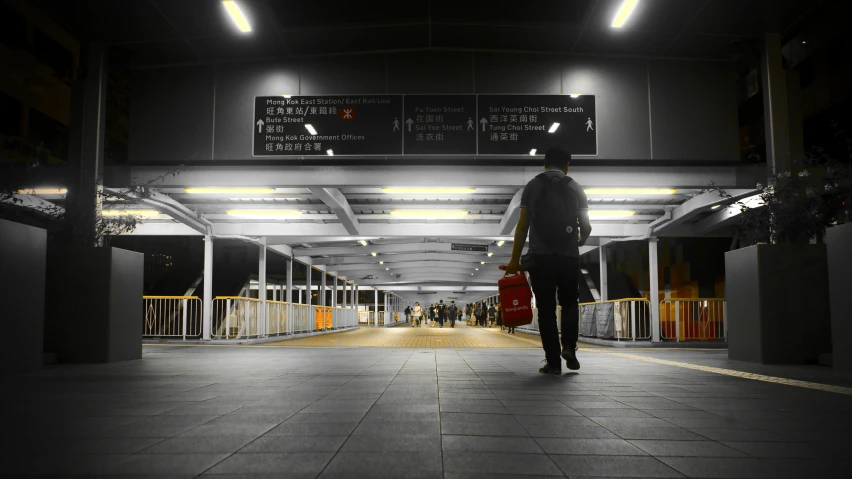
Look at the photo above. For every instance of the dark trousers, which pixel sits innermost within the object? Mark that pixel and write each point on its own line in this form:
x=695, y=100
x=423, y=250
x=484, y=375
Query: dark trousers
x=556, y=276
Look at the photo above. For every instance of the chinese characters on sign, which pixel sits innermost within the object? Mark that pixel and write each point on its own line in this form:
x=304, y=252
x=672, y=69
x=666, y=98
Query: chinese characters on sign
x=389, y=125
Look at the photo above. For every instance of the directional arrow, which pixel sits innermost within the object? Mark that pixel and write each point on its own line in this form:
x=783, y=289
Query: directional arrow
x=409, y=122
x=260, y=126
x=483, y=121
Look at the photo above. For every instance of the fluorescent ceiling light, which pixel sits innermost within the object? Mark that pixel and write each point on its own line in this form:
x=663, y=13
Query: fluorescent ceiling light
x=387, y=269
x=623, y=13
x=575, y=95
x=363, y=242
x=482, y=262
x=477, y=269
x=630, y=191
x=329, y=152
x=310, y=129
x=429, y=214
x=381, y=262
x=501, y=243
x=532, y=152
x=237, y=15
x=553, y=128
x=490, y=254
x=219, y=191
x=43, y=191
x=715, y=207
x=429, y=191
x=137, y=213
x=610, y=214
x=263, y=213
x=373, y=253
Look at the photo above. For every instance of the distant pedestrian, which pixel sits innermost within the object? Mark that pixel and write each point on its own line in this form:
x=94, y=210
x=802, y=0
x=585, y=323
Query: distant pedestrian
x=452, y=312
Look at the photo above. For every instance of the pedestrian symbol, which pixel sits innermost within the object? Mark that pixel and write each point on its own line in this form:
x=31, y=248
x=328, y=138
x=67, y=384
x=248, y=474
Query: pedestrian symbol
x=470, y=124
x=589, y=124
x=396, y=124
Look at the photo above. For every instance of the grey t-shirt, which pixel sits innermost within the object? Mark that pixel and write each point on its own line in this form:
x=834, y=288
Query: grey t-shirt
x=531, y=192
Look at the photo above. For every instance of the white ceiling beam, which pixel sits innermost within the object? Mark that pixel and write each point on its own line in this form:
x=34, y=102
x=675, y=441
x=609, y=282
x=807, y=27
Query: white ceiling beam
x=166, y=205
x=701, y=203
x=415, y=246
x=510, y=217
x=417, y=266
x=335, y=200
x=463, y=176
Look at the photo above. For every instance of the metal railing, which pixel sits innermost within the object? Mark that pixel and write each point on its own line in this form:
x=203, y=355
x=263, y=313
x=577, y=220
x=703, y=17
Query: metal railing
x=171, y=316
x=693, y=319
x=631, y=319
x=235, y=317
x=277, y=318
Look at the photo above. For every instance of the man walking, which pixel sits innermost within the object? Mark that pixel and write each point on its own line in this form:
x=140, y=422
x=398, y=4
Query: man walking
x=452, y=312
x=442, y=313
x=555, y=211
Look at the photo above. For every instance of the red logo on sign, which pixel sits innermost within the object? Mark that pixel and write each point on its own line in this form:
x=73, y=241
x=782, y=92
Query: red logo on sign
x=347, y=113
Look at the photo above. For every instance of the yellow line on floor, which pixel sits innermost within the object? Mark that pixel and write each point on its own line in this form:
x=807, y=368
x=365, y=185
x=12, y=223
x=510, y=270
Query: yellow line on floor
x=734, y=373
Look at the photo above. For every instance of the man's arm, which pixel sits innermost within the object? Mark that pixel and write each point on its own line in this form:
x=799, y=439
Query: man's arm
x=585, y=226
x=521, y=230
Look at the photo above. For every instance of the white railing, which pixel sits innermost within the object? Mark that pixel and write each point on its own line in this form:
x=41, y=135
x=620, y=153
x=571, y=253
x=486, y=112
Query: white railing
x=278, y=318
x=235, y=317
x=303, y=318
x=693, y=319
x=171, y=316
x=618, y=319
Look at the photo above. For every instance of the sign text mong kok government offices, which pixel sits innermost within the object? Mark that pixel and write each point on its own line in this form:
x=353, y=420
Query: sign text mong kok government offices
x=392, y=125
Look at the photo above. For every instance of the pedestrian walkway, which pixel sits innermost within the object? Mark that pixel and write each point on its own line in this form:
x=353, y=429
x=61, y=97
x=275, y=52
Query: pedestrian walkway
x=258, y=411
x=408, y=336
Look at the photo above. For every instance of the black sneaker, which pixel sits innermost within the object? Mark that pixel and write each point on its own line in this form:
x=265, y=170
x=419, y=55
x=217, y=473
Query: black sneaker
x=549, y=368
x=570, y=358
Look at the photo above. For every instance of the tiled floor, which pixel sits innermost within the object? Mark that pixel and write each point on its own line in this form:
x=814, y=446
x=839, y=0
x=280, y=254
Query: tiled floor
x=240, y=412
x=409, y=336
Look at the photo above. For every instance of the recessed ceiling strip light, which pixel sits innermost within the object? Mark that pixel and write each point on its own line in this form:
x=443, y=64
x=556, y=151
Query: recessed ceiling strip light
x=610, y=214
x=624, y=13
x=237, y=16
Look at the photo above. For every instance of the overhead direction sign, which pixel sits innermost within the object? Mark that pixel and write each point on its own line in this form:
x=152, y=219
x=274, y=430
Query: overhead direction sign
x=440, y=125
x=338, y=125
x=395, y=125
x=518, y=124
x=469, y=247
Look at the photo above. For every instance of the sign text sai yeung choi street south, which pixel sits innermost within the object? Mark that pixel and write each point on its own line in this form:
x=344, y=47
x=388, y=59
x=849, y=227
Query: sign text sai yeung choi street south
x=389, y=125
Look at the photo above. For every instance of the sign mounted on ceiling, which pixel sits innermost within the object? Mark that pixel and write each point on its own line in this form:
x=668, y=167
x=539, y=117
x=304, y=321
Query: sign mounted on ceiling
x=423, y=125
x=469, y=247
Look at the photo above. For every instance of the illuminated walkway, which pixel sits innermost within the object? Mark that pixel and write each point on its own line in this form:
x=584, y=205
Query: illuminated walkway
x=407, y=336
x=271, y=411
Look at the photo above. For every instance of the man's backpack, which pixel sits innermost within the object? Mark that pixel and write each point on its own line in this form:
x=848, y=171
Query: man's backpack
x=554, y=214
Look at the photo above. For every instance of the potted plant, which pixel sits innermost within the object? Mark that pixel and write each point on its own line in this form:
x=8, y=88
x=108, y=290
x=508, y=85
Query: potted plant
x=777, y=280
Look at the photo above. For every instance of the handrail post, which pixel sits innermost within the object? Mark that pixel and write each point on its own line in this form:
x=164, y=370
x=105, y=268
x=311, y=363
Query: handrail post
x=677, y=320
x=183, y=305
x=633, y=311
x=228, y=318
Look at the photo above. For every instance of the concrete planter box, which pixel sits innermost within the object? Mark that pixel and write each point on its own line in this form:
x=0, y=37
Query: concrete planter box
x=100, y=318
x=23, y=251
x=839, y=244
x=778, y=306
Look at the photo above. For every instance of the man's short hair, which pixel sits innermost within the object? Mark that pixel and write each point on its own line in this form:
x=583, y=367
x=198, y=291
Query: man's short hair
x=557, y=157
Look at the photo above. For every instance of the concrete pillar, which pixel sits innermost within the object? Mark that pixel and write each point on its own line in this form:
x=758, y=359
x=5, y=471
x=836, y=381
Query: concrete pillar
x=375, y=303
x=387, y=307
x=604, y=282
x=334, y=292
x=775, y=108
x=288, y=296
x=321, y=296
x=207, y=307
x=343, y=296
x=653, y=270
x=261, y=288
x=300, y=298
x=308, y=288
x=86, y=145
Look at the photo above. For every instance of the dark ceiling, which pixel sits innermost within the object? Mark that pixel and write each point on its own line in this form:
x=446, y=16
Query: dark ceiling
x=162, y=32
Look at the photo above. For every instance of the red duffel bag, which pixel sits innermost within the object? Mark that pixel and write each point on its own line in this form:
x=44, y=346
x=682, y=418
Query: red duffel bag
x=515, y=299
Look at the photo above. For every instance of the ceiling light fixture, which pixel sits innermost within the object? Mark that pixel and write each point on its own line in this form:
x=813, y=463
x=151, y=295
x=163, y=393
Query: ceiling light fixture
x=263, y=213
x=624, y=13
x=482, y=262
x=310, y=129
x=43, y=191
x=429, y=214
x=237, y=15
x=490, y=254
x=428, y=191
x=329, y=152
x=610, y=214
x=553, y=128
x=715, y=207
x=373, y=253
x=501, y=243
x=575, y=95
x=381, y=262
x=630, y=191
x=363, y=242
x=219, y=191
x=387, y=269
x=477, y=269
